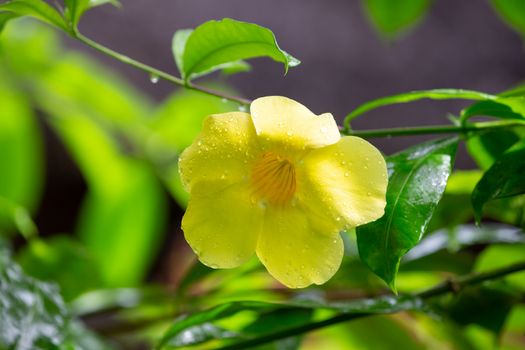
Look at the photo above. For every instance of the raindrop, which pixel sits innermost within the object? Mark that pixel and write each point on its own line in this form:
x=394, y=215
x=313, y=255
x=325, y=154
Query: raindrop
x=347, y=174
x=324, y=130
x=154, y=78
x=242, y=108
x=224, y=100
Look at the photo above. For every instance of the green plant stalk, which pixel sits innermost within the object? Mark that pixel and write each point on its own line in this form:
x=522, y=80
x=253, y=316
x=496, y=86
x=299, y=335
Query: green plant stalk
x=452, y=285
x=437, y=129
x=156, y=73
x=389, y=132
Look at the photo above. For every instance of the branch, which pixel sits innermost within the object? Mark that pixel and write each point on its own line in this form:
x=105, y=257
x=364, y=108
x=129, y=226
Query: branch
x=154, y=72
x=437, y=129
x=452, y=285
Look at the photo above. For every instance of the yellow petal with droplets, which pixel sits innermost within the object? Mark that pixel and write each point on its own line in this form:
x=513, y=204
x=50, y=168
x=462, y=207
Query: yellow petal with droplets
x=291, y=125
x=346, y=182
x=222, y=151
x=222, y=226
x=294, y=251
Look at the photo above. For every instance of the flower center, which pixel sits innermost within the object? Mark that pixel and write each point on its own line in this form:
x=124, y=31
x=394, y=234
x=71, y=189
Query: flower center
x=273, y=178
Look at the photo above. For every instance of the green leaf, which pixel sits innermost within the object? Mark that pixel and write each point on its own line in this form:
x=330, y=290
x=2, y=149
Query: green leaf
x=63, y=260
x=501, y=255
x=503, y=179
x=512, y=12
x=492, y=109
x=35, y=8
x=123, y=214
x=359, y=308
x=76, y=8
x=417, y=180
x=486, y=147
x=33, y=314
x=216, y=43
x=464, y=236
x=392, y=17
x=6, y=17
x=16, y=217
x=486, y=305
x=437, y=94
x=21, y=155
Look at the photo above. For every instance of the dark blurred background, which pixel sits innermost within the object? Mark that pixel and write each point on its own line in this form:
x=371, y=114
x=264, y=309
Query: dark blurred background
x=345, y=62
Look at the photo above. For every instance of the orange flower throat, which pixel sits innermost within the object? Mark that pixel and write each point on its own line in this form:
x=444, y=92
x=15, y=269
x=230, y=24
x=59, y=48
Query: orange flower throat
x=273, y=178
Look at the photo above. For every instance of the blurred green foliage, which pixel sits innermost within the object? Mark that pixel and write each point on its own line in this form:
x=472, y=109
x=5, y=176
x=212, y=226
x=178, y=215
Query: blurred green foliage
x=126, y=148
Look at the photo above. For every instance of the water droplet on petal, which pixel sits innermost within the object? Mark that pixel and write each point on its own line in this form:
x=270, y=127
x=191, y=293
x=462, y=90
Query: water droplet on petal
x=347, y=174
x=324, y=130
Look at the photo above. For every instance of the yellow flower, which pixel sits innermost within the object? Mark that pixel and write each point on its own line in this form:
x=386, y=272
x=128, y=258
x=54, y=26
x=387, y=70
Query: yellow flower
x=280, y=182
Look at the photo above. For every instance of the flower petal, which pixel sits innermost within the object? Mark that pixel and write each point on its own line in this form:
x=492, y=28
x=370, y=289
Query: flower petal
x=222, y=226
x=285, y=121
x=346, y=181
x=222, y=150
x=294, y=251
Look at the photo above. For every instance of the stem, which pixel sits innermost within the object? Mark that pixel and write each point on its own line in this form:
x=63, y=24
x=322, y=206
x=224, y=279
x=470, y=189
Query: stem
x=158, y=73
x=437, y=129
x=452, y=285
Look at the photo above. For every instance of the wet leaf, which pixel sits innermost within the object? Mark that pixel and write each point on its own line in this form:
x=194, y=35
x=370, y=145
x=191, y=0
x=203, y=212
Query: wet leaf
x=417, y=180
x=503, y=179
x=218, y=44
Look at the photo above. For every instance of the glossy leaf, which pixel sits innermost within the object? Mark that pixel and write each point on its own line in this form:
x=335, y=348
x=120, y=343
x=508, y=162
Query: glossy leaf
x=363, y=307
x=38, y=320
x=62, y=260
x=215, y=44
x=417, y=180
x=392, y=17
x=512, y=12
x=35, y=8
x=34, y=316
x=21, y=155
x=503, y=179
x=437, y=94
